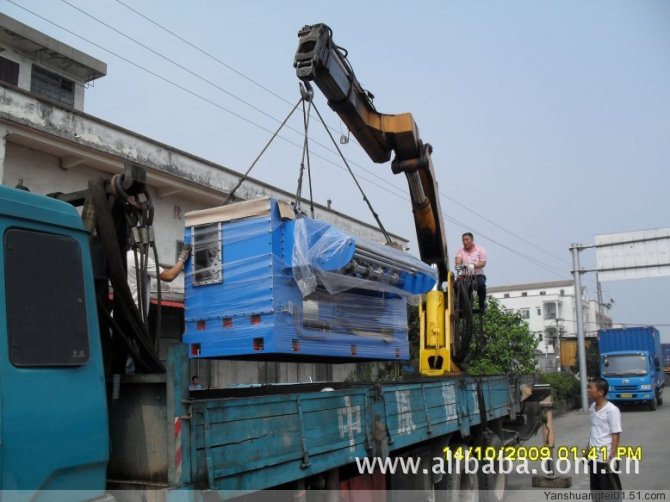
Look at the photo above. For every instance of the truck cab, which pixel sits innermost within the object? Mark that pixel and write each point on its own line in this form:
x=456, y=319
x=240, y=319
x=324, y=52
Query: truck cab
x=630, y=376
x=53, y=410
x=630, y=362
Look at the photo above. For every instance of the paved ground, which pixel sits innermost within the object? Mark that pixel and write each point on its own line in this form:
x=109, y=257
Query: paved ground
x=650, y=430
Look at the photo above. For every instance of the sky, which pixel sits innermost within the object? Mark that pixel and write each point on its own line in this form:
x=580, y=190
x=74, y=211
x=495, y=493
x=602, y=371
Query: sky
x=550, y=121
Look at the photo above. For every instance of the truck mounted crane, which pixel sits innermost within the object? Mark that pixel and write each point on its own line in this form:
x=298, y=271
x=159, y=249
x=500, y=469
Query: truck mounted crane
x=445, y=327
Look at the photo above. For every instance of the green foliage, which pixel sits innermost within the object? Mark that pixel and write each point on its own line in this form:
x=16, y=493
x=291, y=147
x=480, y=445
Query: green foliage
x=592, y=362
x=566, y=390
x=506, y=346
x=508, y=349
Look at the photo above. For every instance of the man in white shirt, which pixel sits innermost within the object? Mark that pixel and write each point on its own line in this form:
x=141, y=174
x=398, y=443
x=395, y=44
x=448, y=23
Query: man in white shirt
x=166, y=275
x=605, y=419
x=195, y=383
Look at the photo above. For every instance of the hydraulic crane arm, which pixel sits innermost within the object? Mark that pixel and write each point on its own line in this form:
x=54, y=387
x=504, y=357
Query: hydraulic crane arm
x=319, y=59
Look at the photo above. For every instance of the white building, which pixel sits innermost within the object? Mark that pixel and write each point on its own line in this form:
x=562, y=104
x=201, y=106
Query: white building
x=550, y=310
x=48, y=144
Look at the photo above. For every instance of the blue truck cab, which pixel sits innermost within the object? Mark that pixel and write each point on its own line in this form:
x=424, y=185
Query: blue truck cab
x=53, y=410
x=630, y=361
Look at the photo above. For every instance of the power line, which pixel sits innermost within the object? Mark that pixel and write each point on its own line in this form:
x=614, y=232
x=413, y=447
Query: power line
x=192, y=93
x=532, y=260
x=204, y=52
x=241, y=74
x=503, y=228
x=208, y=54
x=213, y=84
x=177, y=64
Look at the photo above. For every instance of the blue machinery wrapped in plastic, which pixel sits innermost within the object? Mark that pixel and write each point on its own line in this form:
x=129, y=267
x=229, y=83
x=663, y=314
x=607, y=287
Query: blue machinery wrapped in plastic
x=265, y=285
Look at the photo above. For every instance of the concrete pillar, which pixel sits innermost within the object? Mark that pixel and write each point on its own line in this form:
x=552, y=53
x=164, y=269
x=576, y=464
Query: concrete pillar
x=4, y=134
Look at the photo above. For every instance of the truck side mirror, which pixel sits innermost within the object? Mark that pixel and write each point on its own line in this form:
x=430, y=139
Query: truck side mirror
x=657, y=364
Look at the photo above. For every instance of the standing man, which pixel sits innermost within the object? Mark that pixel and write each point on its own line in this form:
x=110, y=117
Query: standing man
x=474, y=258
x=604, y=439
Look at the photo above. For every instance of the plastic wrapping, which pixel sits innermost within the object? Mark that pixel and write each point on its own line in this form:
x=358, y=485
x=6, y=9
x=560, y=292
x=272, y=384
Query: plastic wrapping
x=324, y=255
x=263, y=285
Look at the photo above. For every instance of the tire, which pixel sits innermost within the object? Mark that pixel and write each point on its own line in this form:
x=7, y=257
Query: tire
x=659, y=399
x=653, y=404
x=492, y=486
x=457, y=486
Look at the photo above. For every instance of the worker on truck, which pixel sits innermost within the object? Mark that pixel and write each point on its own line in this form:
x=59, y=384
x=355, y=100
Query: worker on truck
x=165, y=275
x=474, y=258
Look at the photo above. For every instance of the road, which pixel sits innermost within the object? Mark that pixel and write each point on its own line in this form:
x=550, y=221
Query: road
x=649, y=430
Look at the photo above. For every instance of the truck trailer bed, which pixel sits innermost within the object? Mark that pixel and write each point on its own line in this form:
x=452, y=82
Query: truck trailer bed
x=257, y=437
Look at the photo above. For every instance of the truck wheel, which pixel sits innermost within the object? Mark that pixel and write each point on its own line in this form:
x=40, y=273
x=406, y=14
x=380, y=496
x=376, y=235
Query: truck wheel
x=458, y=485
x=659, y=399
x=653, y=404
x=493, y=485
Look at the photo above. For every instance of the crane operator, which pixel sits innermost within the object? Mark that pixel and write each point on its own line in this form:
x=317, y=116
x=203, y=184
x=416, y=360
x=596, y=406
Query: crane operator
x=473, y=257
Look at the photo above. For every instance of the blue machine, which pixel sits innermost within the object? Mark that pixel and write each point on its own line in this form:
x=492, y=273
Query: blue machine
x=263, y=284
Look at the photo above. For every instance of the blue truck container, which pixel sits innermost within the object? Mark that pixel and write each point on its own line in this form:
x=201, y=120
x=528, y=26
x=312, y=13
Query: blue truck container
x=665, y=347
x=631, y=362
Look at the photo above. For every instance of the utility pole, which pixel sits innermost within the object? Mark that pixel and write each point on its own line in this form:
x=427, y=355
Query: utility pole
x=557, y=346
x=577, y=274
x=601, y=310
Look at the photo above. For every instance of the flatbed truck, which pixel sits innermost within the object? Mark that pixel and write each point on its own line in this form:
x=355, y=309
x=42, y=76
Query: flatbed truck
x=73, y=425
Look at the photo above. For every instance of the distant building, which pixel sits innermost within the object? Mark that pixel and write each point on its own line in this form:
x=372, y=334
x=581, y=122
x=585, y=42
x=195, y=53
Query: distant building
x=550, y=310
x=48, y=143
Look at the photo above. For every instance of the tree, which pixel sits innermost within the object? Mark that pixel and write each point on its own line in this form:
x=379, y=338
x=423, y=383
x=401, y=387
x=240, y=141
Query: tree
x=506, y=346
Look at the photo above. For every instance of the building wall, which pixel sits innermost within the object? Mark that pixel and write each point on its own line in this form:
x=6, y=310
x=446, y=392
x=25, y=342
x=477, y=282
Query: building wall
x=48, y=149
x=25, y=66
x=552, y=314
x=41, y=172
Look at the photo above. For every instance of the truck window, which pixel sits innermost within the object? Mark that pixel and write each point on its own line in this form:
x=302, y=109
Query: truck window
x=633, y=364
x=46, y=307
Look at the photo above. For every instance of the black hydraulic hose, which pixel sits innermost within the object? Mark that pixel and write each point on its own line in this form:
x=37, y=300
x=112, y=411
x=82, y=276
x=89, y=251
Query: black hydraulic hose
x=139, y=284
x=159, y=305
x=464, y=315
x=117, y=329
x=148, y=360
x=146, y=283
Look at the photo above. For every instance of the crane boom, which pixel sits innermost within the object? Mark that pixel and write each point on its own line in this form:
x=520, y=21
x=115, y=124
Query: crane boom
x=320, y=60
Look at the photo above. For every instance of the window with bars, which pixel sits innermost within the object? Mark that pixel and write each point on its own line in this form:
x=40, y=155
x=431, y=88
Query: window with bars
x=52, y=85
